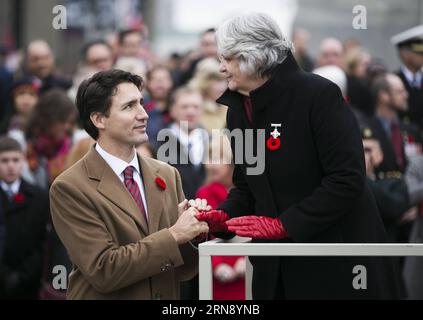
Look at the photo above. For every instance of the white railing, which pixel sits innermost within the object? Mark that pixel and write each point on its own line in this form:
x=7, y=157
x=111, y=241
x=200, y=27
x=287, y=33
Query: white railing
x=242, y=247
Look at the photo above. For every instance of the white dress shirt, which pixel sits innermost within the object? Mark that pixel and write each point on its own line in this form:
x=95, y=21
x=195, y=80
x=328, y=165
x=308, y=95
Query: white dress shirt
x=118, y=166
x=14, y=187
x=414, y=80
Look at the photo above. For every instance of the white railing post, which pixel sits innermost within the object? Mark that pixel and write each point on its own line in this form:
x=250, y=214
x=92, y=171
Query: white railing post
x=248, y=280
x=205, y=278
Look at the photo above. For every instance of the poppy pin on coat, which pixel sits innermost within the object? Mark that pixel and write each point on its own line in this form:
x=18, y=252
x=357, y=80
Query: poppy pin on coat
x=161, y=183
x=274, y=142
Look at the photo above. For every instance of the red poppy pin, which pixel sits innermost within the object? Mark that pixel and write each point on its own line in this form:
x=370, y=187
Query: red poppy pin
x=161, y=183
x=274, y=142
x=19, y=198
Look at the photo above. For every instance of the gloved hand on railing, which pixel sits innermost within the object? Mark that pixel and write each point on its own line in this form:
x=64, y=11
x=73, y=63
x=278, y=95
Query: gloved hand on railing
x=257, y=227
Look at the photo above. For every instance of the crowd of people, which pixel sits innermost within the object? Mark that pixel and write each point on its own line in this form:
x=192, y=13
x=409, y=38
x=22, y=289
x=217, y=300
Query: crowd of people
x=42, y=137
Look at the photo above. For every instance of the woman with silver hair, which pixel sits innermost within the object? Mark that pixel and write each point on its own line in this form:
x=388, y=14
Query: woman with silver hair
x=313, y=187
x=255, y=42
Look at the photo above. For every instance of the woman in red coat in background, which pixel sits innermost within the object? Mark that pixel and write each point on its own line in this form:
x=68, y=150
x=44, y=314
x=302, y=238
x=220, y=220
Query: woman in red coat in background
x=228, y=271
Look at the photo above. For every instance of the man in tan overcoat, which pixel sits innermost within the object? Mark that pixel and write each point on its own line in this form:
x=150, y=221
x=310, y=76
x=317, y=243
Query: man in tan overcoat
x=123, y=218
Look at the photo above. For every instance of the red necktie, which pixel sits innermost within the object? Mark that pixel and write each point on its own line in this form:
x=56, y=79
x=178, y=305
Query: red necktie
x=133, y=189
x=397, y=143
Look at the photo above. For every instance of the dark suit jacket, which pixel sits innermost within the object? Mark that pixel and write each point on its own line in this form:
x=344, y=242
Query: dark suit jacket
x=359, y=95
x=23, y=252
x=315, y=184
x=415, y=103
x=192, y=176
x=389, y=162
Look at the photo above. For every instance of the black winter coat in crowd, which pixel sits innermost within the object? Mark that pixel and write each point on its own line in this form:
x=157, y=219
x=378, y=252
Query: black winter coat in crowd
x=22, y=260
x=415, y=103
x=192, y=176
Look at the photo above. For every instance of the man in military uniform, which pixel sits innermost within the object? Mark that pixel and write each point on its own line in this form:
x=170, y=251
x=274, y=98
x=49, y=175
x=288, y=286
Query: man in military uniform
x=410, y=49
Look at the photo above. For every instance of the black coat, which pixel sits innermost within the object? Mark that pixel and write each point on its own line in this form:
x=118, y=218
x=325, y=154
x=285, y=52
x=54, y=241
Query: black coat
x=315, y=183
x=192, y=176
x=408, y=132
x=359, y=95
x=21, y=264
x=415, y=103
x=389, y=162
x=392, y=199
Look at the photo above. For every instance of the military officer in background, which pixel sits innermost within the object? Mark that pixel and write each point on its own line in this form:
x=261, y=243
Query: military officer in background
x=410, y=49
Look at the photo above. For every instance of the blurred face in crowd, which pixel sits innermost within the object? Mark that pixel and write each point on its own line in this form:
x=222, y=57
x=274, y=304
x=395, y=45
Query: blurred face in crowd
x=160, y=84
x=398, y=93
x=112, y=40
x=60, y=129
x=25, y=102
x=40, y=60
x=188, y=107
x=11, y=166
x=131, y=44
x=412, y=60
x=331, y=53
x=100, y=57
x=126, y=123
x=362, y=65
x=219, y=165
x=351, y=44
x=237, y=81
x=300, y=40
x=219, y=172
x=208, y=45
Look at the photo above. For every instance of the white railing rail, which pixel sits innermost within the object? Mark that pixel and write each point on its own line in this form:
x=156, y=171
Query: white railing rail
x=242, y=247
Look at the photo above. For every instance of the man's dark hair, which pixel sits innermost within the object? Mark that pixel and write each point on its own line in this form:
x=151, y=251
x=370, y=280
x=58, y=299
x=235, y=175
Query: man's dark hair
x=91, y=44
x=95, y=95
x=8, y=144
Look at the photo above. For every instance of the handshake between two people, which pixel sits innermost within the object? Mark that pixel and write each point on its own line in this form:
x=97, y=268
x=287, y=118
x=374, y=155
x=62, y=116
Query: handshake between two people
x=197, y=218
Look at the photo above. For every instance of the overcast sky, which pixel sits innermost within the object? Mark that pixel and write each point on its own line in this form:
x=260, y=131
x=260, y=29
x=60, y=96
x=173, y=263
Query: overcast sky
x=211, y=12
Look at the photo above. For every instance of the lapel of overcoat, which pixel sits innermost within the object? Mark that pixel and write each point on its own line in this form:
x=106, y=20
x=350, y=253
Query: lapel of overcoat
x=112, y=188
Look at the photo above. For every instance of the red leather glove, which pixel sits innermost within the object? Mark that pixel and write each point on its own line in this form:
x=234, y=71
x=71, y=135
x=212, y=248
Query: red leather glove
x=257, y=227
x=215, y=219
